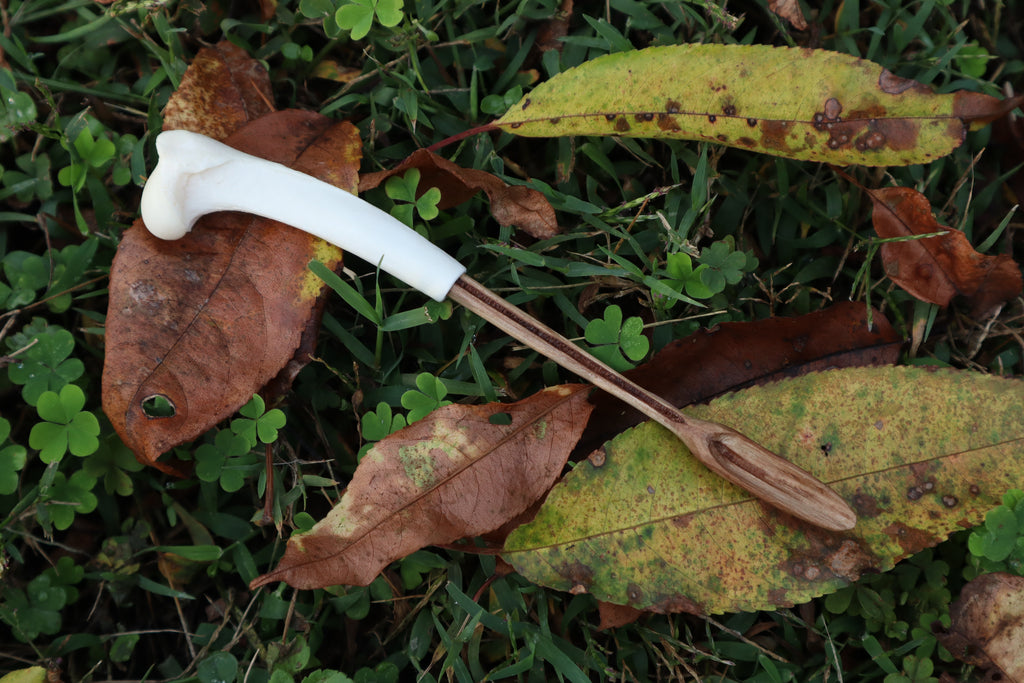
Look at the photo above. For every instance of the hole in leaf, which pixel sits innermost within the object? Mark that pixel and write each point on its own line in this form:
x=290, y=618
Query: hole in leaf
x=158, y=406
x=501, y=419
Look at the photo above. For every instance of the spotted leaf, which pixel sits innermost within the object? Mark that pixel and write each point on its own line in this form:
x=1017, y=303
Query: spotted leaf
x=798, y=103
x=917, y=454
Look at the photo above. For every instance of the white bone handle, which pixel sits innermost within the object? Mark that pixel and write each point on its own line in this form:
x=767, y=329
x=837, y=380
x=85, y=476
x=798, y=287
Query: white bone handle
x=197, y=175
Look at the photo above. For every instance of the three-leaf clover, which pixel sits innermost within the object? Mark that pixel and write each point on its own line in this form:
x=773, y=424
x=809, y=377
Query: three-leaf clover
x=357, y=16
x=91, y=153
x=999, y=543
x=36, y=610
x=403, y=189
x=683, y=276
x=66, y=497
x=615, y=342
x=43, y=366
x=724, y=266
x=12, y=460
x=377, y=424
x=66, y=427
x=427, y=397
x=112, y=462
x=258, y=424
x=228, y=460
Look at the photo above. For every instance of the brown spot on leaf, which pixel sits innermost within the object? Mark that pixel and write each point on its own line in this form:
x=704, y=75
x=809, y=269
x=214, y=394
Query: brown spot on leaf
x=850, y=560
x=746, y=142
x=712, y=118
x=673, y=107
x=866, y=505
x=773, y=134
x=667, y=123
x=554, y=120
x=729, y=110
x=634, y=593
x=610, y=117
x=598, y=457
x=751, y=122
x=911, y=540
x=675, y=604
x=526, y=103
x=621, y=124
x=578, y=574
x=833, y=109
x=950, y=501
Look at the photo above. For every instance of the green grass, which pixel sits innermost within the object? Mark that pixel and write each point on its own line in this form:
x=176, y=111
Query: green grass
x=90, y=538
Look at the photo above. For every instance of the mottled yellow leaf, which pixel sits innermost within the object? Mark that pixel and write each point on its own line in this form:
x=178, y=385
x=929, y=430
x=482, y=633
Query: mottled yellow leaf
x=798, y=103
x=918, y=454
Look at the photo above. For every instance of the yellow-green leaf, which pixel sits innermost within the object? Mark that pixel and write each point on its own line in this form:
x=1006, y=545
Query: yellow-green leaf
x=918, y=454
x=797, y=103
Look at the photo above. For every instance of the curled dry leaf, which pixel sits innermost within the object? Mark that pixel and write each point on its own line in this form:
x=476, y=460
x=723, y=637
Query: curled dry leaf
x=791, y=102
x=918, y=454
x=790, y=11
x=731, y=356
x=987, y=626
x=935, y=269
x=450, y=475
x=222, y=90
x=523, y=207
x=206, y=321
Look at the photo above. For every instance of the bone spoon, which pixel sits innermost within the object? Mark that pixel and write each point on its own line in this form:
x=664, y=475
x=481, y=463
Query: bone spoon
x=197, y=175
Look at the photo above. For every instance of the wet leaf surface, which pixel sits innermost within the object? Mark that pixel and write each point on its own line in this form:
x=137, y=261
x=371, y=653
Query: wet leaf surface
x=987, y=627
x=523, y=207
x=450, y=475
x=791, y=102
x=641, y=523
x=730, y=356
x=206, y=321
x=935, y=269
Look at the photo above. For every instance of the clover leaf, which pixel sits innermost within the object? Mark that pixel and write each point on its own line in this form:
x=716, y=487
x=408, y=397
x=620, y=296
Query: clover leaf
x=12, y=460
x=404, y=189
x=91, y=152
x=999, y=543
x=34, y=611
x=724, y=266
x=377, y=424
x=112, y=462
x=258, y=424
x=66, y=428
x=64, y=498
x=227, y=460
x=427, y=397
x=43, y=364
x=683, y=276
x=615, y=342
x=358, y=15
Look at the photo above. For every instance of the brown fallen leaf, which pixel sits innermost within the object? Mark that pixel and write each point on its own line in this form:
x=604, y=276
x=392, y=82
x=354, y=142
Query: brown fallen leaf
x=732, y=356
x=987, y=627
x=790, y=11
x=523, y=207
x=614, y=616
x=450, y=475
x=206, y=321
x=551, y=32
x=935, y=269
x=222, y=90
